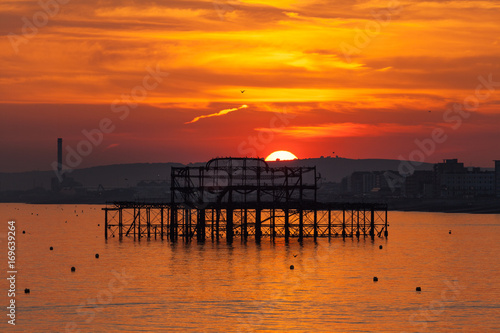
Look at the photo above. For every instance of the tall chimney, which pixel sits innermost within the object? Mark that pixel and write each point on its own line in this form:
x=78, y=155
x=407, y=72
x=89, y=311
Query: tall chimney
x=59, y=155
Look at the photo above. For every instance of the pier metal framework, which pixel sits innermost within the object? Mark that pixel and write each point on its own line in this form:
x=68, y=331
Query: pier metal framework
x=243, y=197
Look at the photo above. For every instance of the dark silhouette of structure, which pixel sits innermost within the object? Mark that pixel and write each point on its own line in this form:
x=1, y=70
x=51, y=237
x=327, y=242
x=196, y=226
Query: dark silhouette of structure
x=244, y=197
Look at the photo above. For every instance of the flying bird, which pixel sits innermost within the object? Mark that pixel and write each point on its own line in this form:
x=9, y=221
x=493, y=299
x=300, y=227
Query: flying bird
x=242, y=91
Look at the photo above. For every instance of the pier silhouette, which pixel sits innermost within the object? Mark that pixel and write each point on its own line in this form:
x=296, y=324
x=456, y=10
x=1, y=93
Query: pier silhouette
x=244, y=197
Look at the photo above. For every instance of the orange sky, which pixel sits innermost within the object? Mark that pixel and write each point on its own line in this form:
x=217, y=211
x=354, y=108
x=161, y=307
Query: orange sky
x=354, y=78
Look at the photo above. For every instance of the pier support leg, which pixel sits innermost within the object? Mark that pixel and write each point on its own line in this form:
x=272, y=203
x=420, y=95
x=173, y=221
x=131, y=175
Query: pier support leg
x=315, y=224
x=343, y=223
x=106, y=224
x=258, y=225
x=161, y=222
x=200, y=226
x=329, y=223
x=372, y=223
x=148, y=221
x=229, y=225
x=173, y=223
x=120, y=223
x=287, y=225
x=244, y=233
x=357, y=223
x=301, y=225
x=386, y=232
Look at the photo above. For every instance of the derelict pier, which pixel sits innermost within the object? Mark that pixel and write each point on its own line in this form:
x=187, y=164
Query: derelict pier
x=232, y=198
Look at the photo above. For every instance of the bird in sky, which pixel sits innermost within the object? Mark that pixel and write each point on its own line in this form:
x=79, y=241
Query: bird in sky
x=242, y=91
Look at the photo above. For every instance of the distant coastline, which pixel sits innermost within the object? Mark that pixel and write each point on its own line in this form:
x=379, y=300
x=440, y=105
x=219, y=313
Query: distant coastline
x=472, y=206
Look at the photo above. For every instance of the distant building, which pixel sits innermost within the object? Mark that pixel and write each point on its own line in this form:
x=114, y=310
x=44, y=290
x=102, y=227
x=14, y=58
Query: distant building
x=497, y=178
x=371, y=183
x=420, y=184
x=453, y=180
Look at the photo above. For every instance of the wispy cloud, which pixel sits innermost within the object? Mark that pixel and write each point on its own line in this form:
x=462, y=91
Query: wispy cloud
x=344, y=130
x=220, y=113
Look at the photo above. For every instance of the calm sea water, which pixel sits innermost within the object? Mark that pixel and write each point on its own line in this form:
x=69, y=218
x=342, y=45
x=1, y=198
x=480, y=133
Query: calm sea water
x=165, y=287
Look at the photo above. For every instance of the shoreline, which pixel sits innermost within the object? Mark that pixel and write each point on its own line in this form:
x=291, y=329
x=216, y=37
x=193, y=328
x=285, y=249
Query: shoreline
x=470, y=206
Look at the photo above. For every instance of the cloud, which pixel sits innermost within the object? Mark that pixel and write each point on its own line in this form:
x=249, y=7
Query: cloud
x=220, y=113
x=333, y=130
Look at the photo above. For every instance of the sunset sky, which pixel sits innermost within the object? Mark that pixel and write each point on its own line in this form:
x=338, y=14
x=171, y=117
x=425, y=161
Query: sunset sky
x=357, y=78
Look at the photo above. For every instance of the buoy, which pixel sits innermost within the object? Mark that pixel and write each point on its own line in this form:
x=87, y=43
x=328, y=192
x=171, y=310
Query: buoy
x=375, y=279
x=292, y=267
x=419, y=289
x=97, y=255
x=73, y=269
x=51, y=248
x=380, y=247
x=27, y=291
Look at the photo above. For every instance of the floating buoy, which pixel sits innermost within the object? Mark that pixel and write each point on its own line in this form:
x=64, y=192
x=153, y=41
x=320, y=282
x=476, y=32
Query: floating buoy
x=375, y=279
x=51, y=248
x=292, y=267
x=97, y=255
x=380, y=247
x=419, y=289
x=73, y=269
x=27, y=291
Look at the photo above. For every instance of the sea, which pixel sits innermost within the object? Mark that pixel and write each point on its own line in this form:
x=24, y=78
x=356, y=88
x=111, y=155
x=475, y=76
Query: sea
x=160, y=286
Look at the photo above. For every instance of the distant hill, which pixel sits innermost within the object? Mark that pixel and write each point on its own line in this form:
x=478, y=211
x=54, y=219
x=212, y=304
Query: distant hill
x=126, y=175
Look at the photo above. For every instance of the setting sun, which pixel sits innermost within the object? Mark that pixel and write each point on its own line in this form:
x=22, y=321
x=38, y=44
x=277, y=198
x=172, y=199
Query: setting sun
x=281, y=155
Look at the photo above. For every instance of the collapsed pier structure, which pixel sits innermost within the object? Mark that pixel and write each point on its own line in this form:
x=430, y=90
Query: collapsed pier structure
x=241, y=198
